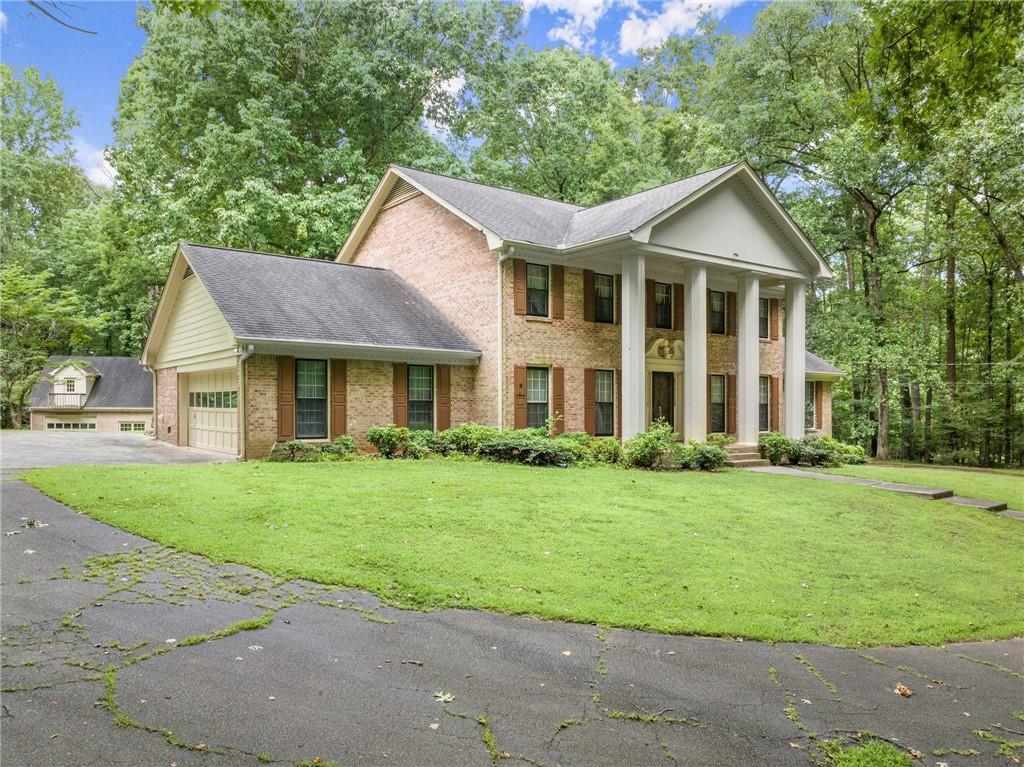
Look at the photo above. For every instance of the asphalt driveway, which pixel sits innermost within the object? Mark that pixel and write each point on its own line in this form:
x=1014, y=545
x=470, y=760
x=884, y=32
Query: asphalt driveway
x=21, y=450
x=119, y=652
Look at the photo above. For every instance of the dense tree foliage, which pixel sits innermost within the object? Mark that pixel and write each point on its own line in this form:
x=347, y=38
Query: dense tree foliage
x=892, y=131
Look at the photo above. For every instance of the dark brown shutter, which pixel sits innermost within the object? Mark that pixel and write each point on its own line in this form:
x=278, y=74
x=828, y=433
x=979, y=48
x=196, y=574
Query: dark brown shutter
x=519, y=284
x=618, y=299
x=401, y=394
x=618, y=403
x=588, y=295
x=818, y=398
x=557, y=292
x=285, y=398
x=774, y=406
x=708, y=301
x=339, y=397
x=589, y=396
x=558, y=398
x=677, y=306
x=649, y=301
x=519, y=396
x=773, y=318
x=444, y=397
x=730, y=404
x=709, y=404
x=730, y=313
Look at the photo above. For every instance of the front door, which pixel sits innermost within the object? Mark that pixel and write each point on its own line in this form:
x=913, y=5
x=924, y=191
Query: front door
x=662, y=399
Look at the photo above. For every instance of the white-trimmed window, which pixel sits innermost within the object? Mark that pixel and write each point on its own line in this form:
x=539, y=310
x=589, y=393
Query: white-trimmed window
x=604, y=403
x=69, y=385
x=537, y=402
x=763, y=403
x=421, y=397
x=809, y=405
x=762, y=317
x=538, y=283
x=131, y=426
x=311, y=399
x=717, y=404
x=71, y=425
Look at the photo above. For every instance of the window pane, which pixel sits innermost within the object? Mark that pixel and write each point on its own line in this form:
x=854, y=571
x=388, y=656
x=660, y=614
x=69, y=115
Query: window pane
x=762, y=317
x=662, y=305
x=809, y=405
x=537, y=290
x=717, y=311
x=536, y=415
x=717, y=404
x=604, y=419
x=604, y=298
x=421, y=415
x=421, y=383
x=537, y=385
x=310, y=398
x=718, y=389
x=604, y=386
x=762, y=403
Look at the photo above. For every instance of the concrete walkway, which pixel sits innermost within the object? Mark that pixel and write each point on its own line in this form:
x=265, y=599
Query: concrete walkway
x=920, y=491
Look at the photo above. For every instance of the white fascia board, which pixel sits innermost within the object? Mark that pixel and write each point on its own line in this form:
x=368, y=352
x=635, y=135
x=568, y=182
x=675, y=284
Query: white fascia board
x=294, y=347
x=809, y=376
x=164, y=305
x=731, y=263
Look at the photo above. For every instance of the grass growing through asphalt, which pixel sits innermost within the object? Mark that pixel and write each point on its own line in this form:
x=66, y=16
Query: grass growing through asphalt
x=1007, y=486
x=730, y=554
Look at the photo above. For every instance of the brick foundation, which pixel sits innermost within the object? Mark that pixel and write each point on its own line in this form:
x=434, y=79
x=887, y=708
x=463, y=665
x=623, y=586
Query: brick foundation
x=167, y=405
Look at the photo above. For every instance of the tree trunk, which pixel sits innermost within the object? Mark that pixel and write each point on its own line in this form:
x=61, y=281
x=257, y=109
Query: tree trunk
x=1008, y=395
x=951, y=318
x=986, y=433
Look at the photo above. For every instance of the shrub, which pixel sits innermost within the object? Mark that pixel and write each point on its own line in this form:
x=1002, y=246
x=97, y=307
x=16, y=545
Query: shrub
x=775, y=447
x=339, y=447
x=812, y=451
x=685, y=455
x=422, y=443
x=525, y=446
x=465, y=438
x=648, y=450
x=720, y=440
x=709, y=457
x=607, y=450
x=295, y=451
x=389, y=440
x=845, y=453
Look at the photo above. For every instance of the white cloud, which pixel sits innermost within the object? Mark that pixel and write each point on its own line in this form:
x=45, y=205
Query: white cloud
x=94, y=163
x=577, y=19
x=453, y=87
x=3, y=21
x=676, y=17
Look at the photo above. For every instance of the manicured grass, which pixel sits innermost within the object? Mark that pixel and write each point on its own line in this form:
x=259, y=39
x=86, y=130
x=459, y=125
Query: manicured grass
x=729, y=554
x=1005, y=486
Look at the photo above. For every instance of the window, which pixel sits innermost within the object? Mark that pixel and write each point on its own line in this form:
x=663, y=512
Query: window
x=763, y=389
x=604, y=403
x=77, y=425
x=421, y=397
x=717, y=312
x=762, y=317
x=717, y=404
x=131, y=426
x=310, y=399
x=809, y=404
x=662, y=305
x=69, y=385
x=213, y=399
x=604, y=298
x=537, y=290
x=536, y=397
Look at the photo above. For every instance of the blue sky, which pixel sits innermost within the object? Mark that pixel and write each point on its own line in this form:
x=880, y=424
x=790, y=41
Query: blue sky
x=89, y=67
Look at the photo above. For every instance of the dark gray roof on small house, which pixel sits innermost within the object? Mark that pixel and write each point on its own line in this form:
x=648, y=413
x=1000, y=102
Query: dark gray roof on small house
x=120, y=382
x=815, y=365
x=526, y=218
x=283, y=298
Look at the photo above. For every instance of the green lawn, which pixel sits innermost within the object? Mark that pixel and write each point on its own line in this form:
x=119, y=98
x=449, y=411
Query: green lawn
x=729, y=554
x=1005, y=486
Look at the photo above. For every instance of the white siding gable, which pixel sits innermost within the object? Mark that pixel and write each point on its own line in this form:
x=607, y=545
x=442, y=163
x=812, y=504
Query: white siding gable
x=196, y=330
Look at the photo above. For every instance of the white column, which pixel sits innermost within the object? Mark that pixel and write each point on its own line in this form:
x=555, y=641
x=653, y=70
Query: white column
x=695, y=353
x=747, y=358
x=794, y=367
x=633, y=321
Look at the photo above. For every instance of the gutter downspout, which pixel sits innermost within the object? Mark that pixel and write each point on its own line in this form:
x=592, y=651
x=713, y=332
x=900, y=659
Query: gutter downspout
x=502, y=258
x=243, y=354
x=152, y=374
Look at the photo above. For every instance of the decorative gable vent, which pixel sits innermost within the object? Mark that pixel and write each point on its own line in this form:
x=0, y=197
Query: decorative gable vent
x=188, y=272
x=400, y=192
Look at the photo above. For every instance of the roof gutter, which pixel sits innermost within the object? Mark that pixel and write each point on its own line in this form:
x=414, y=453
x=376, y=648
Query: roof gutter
x=360, y=351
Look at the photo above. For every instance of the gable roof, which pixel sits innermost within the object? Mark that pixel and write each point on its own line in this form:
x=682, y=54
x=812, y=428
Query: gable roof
x=266, y=297
x=816, y=366
x=505, y=215
x=121, y=382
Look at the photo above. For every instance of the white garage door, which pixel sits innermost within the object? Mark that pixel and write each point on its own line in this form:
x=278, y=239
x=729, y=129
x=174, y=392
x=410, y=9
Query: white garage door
x=213, y=410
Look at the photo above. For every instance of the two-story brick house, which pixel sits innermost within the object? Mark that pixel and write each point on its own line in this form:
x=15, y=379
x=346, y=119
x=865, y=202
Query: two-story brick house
x=453, y=301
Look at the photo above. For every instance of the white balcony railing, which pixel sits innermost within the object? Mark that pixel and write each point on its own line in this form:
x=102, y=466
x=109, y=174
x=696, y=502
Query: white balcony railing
x=58, y=400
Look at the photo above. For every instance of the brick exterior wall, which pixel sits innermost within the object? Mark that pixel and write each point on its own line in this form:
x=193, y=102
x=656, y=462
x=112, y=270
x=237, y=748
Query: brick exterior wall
x=106, y=421
x=260, y=402
x=370, y=400
x=166, y=405
x=447, y=261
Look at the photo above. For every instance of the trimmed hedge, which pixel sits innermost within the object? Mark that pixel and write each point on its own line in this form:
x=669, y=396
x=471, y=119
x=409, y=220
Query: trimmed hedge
x=809, y=451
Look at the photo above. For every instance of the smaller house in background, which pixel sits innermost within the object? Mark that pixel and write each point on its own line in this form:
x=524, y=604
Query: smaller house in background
x=79, y=393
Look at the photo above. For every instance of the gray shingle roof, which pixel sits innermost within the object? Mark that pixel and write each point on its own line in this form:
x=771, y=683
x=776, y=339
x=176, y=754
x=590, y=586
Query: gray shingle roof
x=525, y=218
x=815, y=364
x=121, y=382
x=264, y=296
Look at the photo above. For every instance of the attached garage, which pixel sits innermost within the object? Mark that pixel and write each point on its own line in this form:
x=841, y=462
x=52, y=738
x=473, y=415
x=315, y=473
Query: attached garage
x=212, y=413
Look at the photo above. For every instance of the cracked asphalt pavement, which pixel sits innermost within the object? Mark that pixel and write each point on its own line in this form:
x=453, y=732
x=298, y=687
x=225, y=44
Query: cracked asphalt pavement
x=117, y=651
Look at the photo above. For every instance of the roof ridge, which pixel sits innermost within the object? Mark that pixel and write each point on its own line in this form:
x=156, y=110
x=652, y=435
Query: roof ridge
x=493, y=186
x=307, y=259
x=660, y=186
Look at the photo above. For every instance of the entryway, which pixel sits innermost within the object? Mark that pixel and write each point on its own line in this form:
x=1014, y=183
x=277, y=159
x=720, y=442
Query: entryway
x=663, y=397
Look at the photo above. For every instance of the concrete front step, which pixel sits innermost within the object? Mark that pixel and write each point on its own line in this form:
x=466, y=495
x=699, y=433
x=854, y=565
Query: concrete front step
x=931, y=493
x=986, y=505
x=746, y=463
x=744, y=456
